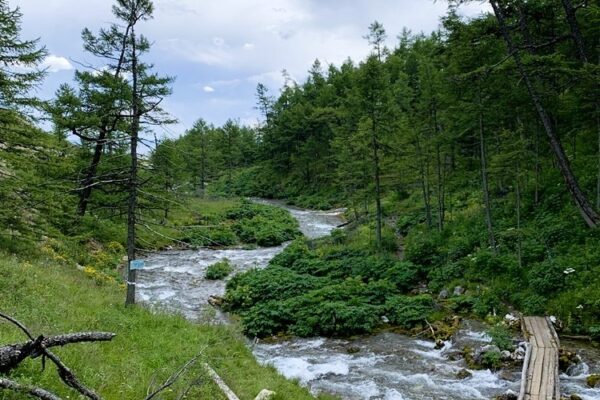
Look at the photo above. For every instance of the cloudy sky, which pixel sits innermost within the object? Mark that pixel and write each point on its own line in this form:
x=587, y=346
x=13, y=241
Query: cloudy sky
x=220, y=49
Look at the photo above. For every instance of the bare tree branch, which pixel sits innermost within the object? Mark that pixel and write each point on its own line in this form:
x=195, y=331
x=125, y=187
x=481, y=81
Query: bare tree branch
x=26, y=389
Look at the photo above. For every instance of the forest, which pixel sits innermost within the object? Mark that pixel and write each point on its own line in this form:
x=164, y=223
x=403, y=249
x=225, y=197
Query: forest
x=466, y=160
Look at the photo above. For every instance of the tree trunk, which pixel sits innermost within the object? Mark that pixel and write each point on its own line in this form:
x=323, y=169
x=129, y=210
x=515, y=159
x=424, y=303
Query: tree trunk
x=378, y=216
x=132, y=205
x=103, y=135
x=484, y=179
x=203, y=164
x=537, y=168
x=518, y=207
x=590, y=216
x=86, y=183
x=440, y=189
x=424, y=184
x=575, y=32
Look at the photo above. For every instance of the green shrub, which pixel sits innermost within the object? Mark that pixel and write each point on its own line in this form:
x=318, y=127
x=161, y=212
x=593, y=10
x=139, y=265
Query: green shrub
x=219, y=270
x=336, y=318
x=272, y=283
x=408, y=311
x=221, y=235
x=487, y=303
x=263, y=225
x=403, y=274
x=295, y=251
x=461, y=304
x=546, y=277
x=501, y=337
x=422, y=249
x=491, y=360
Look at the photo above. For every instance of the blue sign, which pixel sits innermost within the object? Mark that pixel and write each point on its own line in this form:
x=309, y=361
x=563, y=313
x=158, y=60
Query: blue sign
x=136, y=264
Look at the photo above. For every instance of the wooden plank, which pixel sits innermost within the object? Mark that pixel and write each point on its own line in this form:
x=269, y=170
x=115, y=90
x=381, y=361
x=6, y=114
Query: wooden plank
x=544, y=375
x=536, y=381
x=550, y=382
x=524, y=379
x=540, y=368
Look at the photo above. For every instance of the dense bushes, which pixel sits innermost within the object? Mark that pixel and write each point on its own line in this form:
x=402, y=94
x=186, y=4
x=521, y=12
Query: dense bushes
x=219, y=270
x=334, y=290
x=247, y=223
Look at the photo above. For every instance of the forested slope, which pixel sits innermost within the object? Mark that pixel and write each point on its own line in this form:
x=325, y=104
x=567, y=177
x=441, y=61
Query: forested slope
x=472, y=152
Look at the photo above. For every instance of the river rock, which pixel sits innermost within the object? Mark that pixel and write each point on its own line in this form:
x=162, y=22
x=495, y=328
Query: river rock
x=464, y=374
x=509, y=395
x=512, y=321
x=593, y=380
x=352, y=349
x=443, y=294
x=508, y=375
x=385, y=319
x=505, y=355
x=575, y=397
x=215, y=301
x=488, y=348
x=567, y=359
x=265, y=395
x=459, y=290
x=519, y=354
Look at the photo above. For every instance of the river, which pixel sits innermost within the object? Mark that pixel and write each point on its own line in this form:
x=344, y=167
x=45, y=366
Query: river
x=386, y=366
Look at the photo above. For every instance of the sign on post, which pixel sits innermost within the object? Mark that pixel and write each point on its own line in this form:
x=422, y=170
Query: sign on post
x=136, y=264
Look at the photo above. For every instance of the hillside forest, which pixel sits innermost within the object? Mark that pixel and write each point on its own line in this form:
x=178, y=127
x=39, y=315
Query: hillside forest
x=467, y=162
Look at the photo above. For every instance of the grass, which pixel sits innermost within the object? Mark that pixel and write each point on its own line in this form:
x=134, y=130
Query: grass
x=51, y=298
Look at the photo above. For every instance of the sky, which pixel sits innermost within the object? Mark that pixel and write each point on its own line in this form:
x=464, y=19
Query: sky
x=219, y=50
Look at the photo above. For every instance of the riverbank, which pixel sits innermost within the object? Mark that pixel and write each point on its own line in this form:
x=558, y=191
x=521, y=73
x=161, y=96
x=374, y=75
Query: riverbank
x=51, y=298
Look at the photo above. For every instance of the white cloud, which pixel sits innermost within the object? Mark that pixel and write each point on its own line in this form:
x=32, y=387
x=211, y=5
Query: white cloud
x=56, y=63
x=208, y=89
x=248, y=46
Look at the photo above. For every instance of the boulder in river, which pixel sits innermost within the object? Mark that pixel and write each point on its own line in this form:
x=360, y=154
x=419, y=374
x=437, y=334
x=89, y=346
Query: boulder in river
x=567, y=359
x=505, y=355
x=509, y=395
x=488, y=348
x=593, y=380
x=464, y=374
x=519, y=354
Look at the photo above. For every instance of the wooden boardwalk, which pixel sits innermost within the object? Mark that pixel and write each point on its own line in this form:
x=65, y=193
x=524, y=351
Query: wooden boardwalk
x=540, y=368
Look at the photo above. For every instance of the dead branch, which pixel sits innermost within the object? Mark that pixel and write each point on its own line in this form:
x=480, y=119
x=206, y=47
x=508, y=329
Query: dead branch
x=26, y=389
x=173, y=378
x=64, y=372
x=11, y=355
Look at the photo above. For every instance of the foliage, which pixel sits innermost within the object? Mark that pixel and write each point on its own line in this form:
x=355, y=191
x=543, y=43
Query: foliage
x=492, y=360
x=218, y=270
x=501, y=337
x=332, y=290
x=408, y=311
x=153, y=352
x=247, y=222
